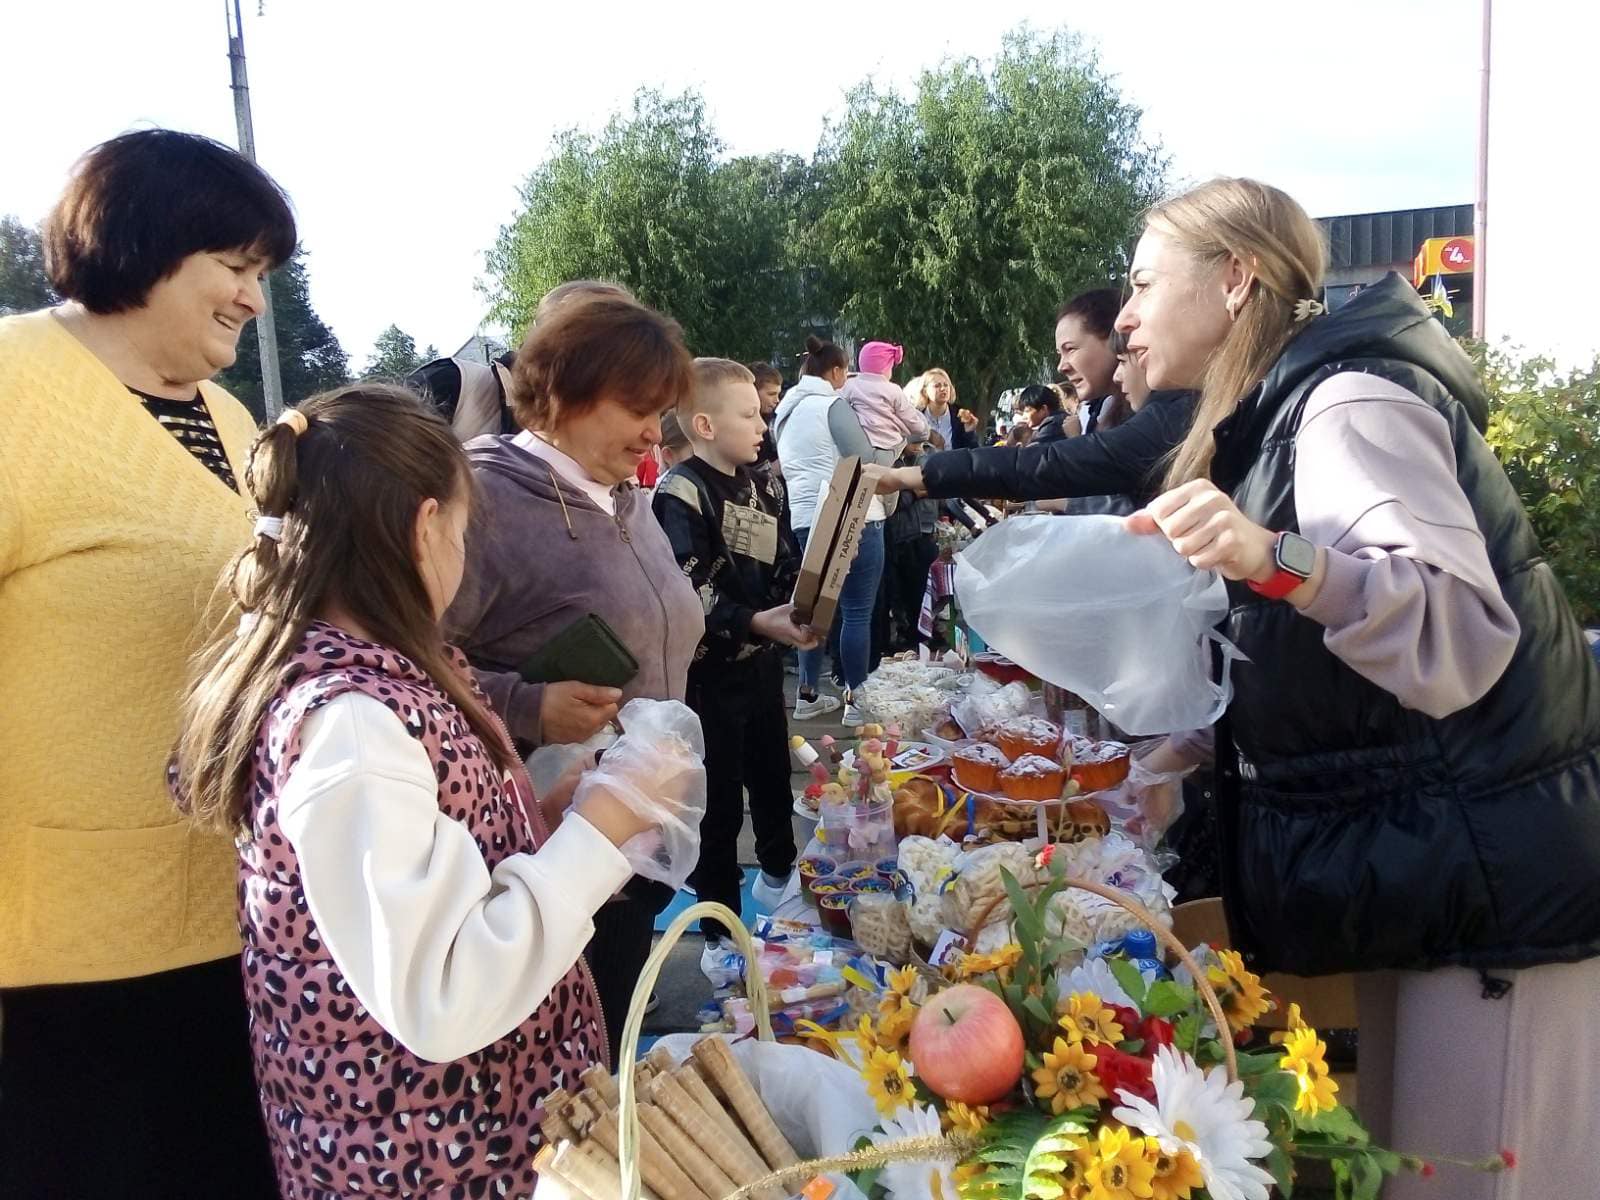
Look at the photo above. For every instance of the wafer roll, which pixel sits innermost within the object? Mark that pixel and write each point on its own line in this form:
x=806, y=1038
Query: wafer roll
x=599, y=1079
x=713, y=1054
x=592, y=1170
x=693, y=1082
x=734, y=1161
x=554, y=1161
x=577, y=1116
x=555, y=1126
x=696, y=1163
x=660, y=1173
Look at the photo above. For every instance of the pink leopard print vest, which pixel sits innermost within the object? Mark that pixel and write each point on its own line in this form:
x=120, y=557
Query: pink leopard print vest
x=349, y=1110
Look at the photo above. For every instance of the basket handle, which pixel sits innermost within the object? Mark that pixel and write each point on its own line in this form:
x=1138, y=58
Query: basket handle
x=1165, y=936
x=628, y=1051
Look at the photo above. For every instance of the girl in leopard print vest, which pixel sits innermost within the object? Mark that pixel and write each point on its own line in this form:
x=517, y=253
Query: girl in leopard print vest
x=413, y=920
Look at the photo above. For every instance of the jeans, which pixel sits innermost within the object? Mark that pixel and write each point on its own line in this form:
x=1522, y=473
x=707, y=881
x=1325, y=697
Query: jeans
x=856, y=604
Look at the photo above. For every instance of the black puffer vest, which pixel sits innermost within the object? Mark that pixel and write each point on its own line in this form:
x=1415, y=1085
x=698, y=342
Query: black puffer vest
x=1360, y=834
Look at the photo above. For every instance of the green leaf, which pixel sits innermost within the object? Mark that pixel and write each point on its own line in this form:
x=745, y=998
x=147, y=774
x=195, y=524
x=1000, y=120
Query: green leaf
x=1047, y=1157
x=1276, y=1089
x=1281, y=1167
x=1129, y=980
x=1337, y=1125
x=1366, y=1180
x=1035, y=1008
x=1028, y=923
x=1187, y=1032
x=1260, y=1064
x=1168, y=999
x=866, y=1180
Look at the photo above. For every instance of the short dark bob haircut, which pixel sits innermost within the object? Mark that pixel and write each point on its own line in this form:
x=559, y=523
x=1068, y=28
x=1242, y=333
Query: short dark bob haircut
x=140, y=204
x=1096, y=311
x=597, y=345
x=1039, y=395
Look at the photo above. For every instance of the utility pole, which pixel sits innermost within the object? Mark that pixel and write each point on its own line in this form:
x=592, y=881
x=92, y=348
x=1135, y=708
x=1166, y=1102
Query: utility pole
x=266, y=325
x=1480, y=207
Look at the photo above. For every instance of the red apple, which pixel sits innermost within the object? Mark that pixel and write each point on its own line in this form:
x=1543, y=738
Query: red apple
x=967, y=1046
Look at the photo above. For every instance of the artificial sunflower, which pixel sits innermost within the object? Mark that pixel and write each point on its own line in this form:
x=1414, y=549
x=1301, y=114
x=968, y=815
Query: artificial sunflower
x=1243, y=998
x=966, y=1117
x=1303, y=1058
x=888, y=1081
x=1087, y=1019
x=902, y=981
x=1123, y=1166
x=1177, y=1174
x=1295, y=1021
x=1073, y=1174
x=998, y=963
x=894, y=1030
x=1067, y=1079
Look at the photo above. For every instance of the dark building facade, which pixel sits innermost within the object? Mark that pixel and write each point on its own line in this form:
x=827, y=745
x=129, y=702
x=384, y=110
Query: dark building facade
x=1364, y=247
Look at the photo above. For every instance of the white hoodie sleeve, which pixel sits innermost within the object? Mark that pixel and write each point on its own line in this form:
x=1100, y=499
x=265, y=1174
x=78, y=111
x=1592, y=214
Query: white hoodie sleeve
x=446, y=955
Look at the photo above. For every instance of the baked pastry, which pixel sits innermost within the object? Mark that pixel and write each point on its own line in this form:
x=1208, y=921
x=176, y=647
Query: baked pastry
x=1084, y=819
x=978, y=767
x=1033, y=777
x=917, y=806
x=1098, y=765
x=1026, y=735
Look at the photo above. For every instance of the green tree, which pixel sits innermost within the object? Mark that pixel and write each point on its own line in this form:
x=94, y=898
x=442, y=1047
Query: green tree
x=23, y=283
x=957, y=221
x=1545, y=426
x=650, y=203
x=310, y=359
x=395, y=355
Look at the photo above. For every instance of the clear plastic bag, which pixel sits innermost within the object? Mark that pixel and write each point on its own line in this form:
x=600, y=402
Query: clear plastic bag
x=1120, y=619
x=657, y=768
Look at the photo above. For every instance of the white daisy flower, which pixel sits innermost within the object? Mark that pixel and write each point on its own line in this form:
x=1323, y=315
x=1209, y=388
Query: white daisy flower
x=923, y=1180
x=1093, y=975
x=1201, y=1112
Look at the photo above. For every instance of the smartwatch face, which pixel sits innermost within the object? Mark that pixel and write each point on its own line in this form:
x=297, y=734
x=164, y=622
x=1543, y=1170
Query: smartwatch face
x=1297, y=555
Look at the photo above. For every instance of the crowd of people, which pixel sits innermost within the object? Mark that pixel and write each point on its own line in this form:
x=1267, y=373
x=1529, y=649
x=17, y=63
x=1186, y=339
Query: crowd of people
x=273, y=685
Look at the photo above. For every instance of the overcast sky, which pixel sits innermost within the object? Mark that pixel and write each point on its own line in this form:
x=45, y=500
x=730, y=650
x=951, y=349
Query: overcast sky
x=402, y=129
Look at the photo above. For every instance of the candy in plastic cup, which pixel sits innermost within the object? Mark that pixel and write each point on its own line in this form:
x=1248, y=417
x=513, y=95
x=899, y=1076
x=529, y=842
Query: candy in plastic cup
x=874, y=885
x=836, y=914
x=888, y=866
x=814, y=868
x=857, y=870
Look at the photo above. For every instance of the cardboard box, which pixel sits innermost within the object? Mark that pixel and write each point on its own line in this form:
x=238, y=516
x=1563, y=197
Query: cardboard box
x=1326, y=1001
x=832, y=545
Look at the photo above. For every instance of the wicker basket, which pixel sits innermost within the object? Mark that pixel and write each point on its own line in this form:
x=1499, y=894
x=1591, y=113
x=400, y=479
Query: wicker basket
x=756, y=989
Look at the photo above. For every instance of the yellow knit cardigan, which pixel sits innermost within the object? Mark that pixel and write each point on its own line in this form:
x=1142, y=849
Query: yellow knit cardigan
x=112, y=540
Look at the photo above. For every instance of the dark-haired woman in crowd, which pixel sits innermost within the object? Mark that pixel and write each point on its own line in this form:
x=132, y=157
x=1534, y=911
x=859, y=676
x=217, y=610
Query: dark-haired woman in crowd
x=125, y=1068
x=564, y=532
x=815, y=427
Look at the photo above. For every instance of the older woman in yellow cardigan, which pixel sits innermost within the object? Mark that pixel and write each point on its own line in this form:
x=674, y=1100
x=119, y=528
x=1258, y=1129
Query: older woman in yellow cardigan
x=124, y=1067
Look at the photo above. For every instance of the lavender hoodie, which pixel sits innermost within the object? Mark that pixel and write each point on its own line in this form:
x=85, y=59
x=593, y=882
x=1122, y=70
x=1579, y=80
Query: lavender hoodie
x=540, y=555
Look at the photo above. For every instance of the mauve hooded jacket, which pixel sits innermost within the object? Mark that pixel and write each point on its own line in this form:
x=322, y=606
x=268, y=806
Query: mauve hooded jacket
x=540, y=555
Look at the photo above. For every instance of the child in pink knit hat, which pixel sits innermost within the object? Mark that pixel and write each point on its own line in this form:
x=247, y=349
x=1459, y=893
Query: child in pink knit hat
x=887, y=416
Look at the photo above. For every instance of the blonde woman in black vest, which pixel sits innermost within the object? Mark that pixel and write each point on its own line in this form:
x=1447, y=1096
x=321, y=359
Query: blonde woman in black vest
x=1409, y=770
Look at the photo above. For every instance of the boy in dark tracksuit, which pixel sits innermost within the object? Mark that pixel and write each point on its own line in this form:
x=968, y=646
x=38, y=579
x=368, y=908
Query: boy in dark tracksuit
x=725, y=525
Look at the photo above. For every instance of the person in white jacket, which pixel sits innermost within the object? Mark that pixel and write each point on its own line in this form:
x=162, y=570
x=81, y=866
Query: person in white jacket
x=815, y=427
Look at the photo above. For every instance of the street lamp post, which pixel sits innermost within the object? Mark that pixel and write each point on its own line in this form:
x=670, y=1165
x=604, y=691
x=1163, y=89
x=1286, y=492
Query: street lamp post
x=1480, y=207
x=266, y=324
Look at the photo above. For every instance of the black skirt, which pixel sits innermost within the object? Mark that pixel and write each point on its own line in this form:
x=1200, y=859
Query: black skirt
x=131, y=1088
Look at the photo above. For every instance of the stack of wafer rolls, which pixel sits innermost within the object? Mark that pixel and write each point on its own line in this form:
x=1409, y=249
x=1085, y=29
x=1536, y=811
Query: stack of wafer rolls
x=703, y=1130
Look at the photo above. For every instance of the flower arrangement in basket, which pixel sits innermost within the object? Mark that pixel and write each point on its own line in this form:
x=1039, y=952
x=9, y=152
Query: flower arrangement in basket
x=1103, y=1080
